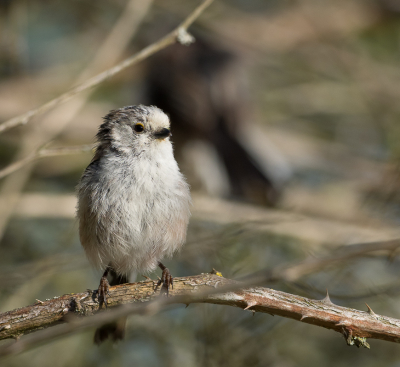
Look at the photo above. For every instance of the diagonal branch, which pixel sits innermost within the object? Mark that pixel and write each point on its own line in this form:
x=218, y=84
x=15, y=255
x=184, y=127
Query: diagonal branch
x=205, y=288
x=177, y=34
x=56, y=121
x=42, y=153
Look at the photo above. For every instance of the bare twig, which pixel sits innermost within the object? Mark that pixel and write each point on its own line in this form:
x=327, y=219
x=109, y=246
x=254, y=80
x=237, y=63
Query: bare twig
x=42, y=153
x=167, y=40
x=292, y=272
x=205, y=288
x=32, y=139
x=315, y=264
x=112, y=48
x=313, y=230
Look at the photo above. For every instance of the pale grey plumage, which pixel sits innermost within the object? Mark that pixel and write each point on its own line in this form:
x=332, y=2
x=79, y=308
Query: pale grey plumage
x=133, y=202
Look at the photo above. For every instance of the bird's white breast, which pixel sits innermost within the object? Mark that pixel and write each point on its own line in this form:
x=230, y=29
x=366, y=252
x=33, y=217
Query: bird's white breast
x=136, y=212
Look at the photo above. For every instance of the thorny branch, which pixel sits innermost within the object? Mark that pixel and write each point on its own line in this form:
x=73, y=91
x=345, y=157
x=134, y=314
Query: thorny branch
x=178, y=34
x=140, y=298
x=205, y=288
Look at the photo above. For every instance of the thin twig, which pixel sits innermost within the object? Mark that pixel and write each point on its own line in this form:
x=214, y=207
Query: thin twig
x=32, y=139
x=112, y=48
x=42, y=153
x=315, y=264
x=167, y=40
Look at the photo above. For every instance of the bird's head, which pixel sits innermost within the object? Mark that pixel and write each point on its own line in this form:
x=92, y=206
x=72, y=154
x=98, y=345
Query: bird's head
x=134, y=129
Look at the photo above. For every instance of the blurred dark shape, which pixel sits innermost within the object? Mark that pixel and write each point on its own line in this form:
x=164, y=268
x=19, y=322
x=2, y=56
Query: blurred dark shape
x=9, y=62
x=5, y=6
x=203, y=90
x=388, y=8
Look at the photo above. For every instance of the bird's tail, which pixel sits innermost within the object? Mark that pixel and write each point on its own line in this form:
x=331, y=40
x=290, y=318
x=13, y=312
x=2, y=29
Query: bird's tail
x=114, y=330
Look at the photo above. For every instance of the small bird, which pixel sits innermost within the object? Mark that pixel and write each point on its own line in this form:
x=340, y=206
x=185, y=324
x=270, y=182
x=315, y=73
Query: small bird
x=133, y=202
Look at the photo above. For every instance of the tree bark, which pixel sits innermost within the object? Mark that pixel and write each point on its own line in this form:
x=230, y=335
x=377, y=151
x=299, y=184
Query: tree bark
x=353, y=324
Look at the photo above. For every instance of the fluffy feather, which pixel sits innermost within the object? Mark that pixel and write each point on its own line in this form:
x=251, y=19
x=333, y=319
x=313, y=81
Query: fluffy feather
x=133, y=202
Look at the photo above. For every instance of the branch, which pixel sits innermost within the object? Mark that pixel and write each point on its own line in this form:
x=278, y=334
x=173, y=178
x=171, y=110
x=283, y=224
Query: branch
x=178, y=33
x=314, y=264
x=42, y=153
x=107, y=55
x=32, y=139
x=205, y=288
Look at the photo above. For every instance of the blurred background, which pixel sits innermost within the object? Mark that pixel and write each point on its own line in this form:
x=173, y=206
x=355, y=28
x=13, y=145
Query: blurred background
x=285, y=119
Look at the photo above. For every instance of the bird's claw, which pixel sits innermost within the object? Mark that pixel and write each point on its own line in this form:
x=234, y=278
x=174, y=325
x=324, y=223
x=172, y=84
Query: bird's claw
x=166, y=280
x=103, y=291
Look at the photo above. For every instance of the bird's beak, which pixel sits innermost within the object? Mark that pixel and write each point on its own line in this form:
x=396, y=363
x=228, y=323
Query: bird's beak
x=162, y=134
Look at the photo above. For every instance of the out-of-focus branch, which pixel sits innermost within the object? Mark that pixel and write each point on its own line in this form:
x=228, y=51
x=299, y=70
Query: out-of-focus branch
x=205, y=288
x=177, y=34
x=315, y=264
x=56, y=121
x=284, y=30
x=42, y=153
x=107, y=55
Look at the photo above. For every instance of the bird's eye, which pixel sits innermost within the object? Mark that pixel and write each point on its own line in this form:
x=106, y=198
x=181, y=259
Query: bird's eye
x=138, y=127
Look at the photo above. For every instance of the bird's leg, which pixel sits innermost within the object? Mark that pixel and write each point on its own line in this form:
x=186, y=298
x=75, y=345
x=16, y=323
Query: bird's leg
x=103, y=289
x=166, y=280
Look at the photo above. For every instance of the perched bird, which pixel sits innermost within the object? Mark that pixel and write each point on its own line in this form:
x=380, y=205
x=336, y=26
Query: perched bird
x=133, y=202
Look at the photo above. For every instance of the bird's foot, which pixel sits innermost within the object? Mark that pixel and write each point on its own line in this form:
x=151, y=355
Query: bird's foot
x=166, y=280
x=103, y=291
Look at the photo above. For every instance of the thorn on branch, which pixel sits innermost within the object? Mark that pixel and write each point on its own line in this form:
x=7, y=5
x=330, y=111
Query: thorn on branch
x=327, y=299
x=372, y=313
x=250, y=304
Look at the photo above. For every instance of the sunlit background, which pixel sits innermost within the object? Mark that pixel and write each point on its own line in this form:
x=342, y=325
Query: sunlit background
x=285, y=119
